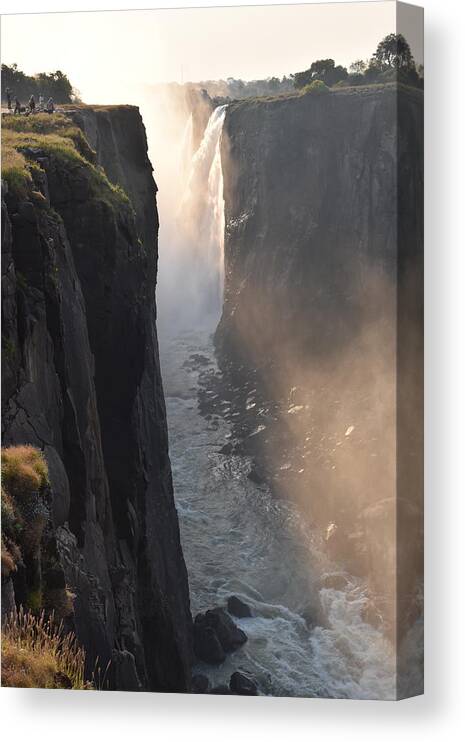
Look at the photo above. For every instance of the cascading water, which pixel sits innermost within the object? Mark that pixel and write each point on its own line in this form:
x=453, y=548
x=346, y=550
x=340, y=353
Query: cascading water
x=187, y=147
x=201, y=216
x=304, y=639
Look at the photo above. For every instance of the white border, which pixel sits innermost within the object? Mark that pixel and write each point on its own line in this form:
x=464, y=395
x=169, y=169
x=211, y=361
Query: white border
x=62, y=715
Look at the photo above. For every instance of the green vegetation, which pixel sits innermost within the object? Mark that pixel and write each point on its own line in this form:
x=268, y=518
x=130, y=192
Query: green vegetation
x=55, y=85
x=37, y=653
x=317, y=87
x=23, y=137
x=391, y=62
x=323, y=70
x=43, y=123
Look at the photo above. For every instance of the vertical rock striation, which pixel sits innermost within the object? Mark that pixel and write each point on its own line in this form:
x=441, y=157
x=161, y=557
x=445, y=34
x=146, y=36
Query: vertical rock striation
x=82, y=382
x=323, y=311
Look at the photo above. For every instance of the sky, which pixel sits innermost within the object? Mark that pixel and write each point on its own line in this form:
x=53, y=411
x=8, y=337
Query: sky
x=109, y=55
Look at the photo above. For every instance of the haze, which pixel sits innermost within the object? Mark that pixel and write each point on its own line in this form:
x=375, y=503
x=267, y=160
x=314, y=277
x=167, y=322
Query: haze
x=108, y=56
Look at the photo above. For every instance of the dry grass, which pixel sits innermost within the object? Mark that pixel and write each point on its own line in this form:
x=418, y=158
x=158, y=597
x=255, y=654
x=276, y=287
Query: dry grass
x=43, y=124
x=36, y=653
x=24, y=481
x=55, y=137
x=14, y=170
x=24, y=471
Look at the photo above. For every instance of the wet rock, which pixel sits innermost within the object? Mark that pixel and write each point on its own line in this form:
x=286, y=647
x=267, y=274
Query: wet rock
x=309, y=616
x=372, y=615
x=207, y=646
x=255, y=476
x=230, y=635
x=242, y=685
x=227, y=449
x=238, y=608
x=215, y=633
x=200, y=684
x=221, y=690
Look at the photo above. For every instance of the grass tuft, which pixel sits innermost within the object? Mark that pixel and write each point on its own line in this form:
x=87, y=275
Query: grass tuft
x=37, y=653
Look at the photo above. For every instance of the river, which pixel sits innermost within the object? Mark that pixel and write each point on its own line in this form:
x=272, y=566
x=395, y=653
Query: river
x=307, y=635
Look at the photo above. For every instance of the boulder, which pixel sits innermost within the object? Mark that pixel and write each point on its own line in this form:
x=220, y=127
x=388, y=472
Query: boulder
x=215, y=633
x=242, y=685
x=231, y=636
x=207, y=646
x=238, y=608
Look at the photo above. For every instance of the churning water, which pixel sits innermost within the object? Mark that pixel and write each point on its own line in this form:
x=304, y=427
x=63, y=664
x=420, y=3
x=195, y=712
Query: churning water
x=303, y=639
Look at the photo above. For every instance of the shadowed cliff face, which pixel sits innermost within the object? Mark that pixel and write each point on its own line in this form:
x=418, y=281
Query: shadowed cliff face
x=323, y=281
x=82, y=381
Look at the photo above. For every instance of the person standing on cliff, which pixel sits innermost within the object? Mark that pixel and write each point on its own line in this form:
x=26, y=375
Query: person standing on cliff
x=50, y=106
x=8, y=98
x=17, y=106
x=32, y=104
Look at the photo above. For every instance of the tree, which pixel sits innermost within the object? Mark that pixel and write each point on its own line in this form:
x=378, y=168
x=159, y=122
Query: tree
x=54, y=84
x=324, y=70
x=394, y=52
x=358, y=67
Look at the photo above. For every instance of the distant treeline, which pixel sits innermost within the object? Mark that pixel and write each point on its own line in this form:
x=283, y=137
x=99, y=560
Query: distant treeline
x=54, y=85
x=392, y=61
x=234, y=88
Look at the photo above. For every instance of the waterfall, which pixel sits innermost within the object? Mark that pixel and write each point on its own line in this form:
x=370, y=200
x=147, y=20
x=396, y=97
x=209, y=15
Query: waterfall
x=187, y=146
x=201, y=218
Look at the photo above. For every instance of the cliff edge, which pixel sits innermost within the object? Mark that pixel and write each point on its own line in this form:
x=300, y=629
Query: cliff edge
x=81, y=381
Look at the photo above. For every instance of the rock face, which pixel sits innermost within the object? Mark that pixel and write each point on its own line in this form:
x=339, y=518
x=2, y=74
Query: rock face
x=322, y=316
x=81, y=380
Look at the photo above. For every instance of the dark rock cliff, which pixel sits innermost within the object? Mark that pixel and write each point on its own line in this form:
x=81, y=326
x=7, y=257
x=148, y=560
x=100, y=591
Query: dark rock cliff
x=322, y=315
x=81, y=381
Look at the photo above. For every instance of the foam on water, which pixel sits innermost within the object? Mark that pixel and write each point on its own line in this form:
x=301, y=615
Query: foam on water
x=304, y=640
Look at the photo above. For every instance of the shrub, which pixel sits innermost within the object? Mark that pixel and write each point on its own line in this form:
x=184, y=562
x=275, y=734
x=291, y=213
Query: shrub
x=24, y=471
x=316, y=87
x=24, y=510
x=37, y=653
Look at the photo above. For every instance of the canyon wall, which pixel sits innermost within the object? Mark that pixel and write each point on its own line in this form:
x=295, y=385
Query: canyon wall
x=322, y=320
x=81, y=381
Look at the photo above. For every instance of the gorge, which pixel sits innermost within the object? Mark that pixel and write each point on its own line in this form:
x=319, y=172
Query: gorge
x=275, y=331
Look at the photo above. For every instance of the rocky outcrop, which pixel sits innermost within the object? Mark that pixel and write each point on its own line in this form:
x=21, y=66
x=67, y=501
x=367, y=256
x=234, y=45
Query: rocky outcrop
x=81, y=381
x=321, y=332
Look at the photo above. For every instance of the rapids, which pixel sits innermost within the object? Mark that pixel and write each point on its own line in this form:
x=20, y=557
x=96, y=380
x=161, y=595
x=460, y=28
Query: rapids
x=304, y=639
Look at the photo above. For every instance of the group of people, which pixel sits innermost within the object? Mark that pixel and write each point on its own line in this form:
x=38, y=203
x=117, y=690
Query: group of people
x=49, y=108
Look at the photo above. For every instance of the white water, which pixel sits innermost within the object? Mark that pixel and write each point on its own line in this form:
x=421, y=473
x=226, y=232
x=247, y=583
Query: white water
x=201, y=217
x=236, y=538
